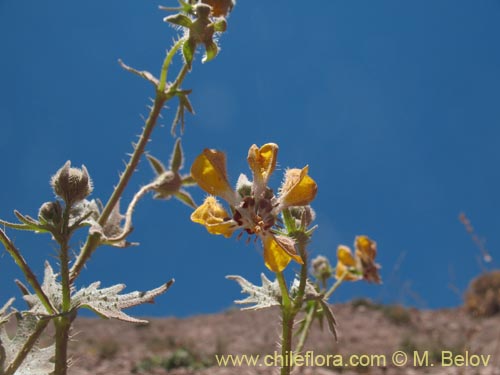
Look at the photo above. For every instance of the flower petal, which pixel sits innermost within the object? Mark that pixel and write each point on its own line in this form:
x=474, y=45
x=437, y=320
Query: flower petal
x=209, y=171
x=346, y=264
x=298, y=188
x=214, y=217
x=262, y=162
x=278, y=252
x=366, y=250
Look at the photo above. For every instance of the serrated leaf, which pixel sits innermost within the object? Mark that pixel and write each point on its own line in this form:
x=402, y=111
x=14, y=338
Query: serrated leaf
x=38, y=360
x=51, y=288
x=4, y=317
x=264, y=296
x=108, y=303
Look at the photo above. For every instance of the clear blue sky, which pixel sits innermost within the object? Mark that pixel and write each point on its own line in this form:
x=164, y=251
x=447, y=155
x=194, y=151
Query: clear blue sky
x=393, y=104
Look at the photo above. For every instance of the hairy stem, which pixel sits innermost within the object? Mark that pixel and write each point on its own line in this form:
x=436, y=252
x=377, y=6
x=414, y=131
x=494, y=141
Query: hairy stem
x=166, y=64
x=334, y=287
x=302, y=242
x=127, y=227
x=307, y=326
x=63, y=323
x=93, y=240
x=287, y=318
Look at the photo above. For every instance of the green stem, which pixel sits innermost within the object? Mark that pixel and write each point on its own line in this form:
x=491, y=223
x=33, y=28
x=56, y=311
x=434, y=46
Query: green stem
x=307, y=325
x=288, y=220
x=335, y=286
x=287, y=318
x=285, y=297
x=63, y=323
x=28, y=273
x=299, y=299
x=166, y=64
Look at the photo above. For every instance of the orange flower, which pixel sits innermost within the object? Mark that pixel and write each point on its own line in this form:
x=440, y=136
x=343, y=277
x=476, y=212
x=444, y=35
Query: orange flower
x=360, y=266
x=254, y=206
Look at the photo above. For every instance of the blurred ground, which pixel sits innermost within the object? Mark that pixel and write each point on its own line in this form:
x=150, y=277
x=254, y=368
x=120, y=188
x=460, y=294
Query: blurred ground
x=188, y=346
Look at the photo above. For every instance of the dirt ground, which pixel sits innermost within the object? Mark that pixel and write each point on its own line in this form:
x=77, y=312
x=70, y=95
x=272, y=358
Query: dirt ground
x=189, y=346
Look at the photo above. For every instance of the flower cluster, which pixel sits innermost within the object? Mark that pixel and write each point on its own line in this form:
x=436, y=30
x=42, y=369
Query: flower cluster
x=254, y=208
x=360, y=266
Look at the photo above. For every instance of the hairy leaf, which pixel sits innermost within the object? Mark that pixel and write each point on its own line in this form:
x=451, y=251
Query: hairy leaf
x=264, y=296
x=108, y=303
x=38, y=360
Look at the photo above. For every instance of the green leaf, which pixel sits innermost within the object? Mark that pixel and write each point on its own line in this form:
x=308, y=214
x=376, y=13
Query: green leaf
x=220, y=26
x=188, y=50
x=212, y=50
x=180, y=20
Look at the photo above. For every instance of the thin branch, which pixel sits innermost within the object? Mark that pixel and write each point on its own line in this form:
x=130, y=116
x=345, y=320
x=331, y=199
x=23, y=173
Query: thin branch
x=28, y=273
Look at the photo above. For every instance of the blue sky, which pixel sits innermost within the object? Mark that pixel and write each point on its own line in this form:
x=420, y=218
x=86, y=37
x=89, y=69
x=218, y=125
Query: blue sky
x=394, y=105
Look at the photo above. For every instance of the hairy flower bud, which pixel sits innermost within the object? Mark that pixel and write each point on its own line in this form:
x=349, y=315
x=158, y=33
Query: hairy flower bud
x=303, y=215
x=321, y=268
x=50, y=212
x=71, y=184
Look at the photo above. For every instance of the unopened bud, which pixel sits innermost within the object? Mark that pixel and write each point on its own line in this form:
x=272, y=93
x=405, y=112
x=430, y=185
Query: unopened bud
x=71, y=184
x=50, y=212
x=321, y=268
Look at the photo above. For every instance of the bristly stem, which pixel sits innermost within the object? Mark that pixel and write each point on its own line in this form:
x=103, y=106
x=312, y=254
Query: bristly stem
x=287, y=318
x=166, y=64
x=161, y=97
x=63, y=323
x=299, y=299
x=307, y=325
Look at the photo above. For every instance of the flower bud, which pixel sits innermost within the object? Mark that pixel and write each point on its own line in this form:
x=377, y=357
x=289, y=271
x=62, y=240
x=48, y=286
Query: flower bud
x=321, y=268
x=243, y=186
x=71, y=184
x=303, y=214
x=50, y=212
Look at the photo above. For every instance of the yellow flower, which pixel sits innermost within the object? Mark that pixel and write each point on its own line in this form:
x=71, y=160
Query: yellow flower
x=254, y=206
x=214, y=217
x=360, y=266
x=298, y=189
x=346, y=264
